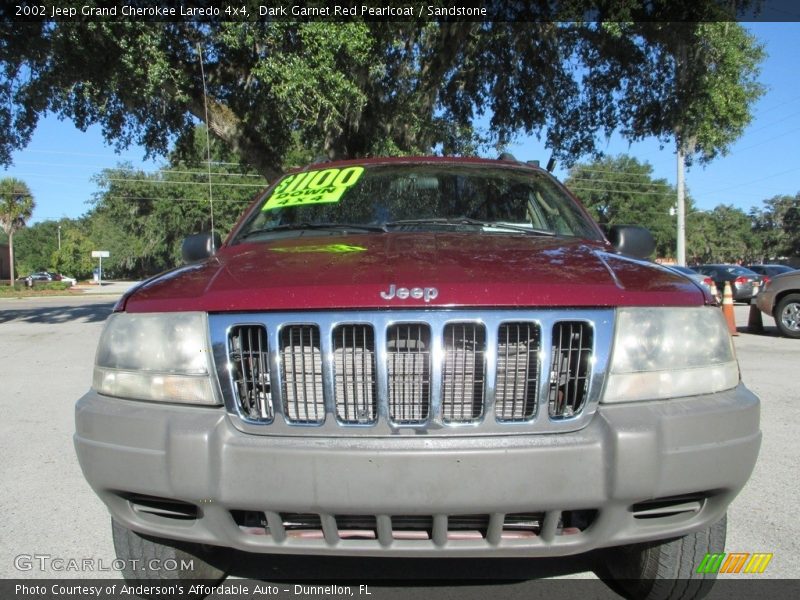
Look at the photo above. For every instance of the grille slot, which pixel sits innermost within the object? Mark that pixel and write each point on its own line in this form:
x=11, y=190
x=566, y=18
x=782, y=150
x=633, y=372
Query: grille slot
x=301, y=363
x=357, y=527
x=518, y=346
x=409, y=372
x=687, y=504
x=463, y=372
x=522, y=525
x=249, y=358
x=412, y=527
x=166, y=508
x=354, y=374
x=570, y=368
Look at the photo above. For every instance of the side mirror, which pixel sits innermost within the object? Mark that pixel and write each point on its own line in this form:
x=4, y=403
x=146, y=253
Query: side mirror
x=199, y=246
x=632, y=240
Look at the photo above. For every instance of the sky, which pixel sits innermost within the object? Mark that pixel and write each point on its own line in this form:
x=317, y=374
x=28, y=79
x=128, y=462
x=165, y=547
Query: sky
x=61, y=161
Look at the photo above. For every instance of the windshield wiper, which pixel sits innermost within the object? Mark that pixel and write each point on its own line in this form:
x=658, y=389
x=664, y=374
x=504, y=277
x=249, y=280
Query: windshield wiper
x=455, y=221
x=311, y=226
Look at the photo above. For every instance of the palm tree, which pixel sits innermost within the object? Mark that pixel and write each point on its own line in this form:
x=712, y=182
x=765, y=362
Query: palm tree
x=16, y=207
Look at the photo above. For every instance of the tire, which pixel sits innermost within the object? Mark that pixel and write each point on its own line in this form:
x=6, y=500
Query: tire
x=787, y=315
x=665, y=570
x=149, y=558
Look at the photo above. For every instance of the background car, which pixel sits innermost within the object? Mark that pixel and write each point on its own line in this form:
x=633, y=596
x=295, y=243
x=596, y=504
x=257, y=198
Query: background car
x=780, y=299
x=770, y=270
x=35, y=278
x=40, y=276
x=744, y=282
x=67, y=279
x=703, y=280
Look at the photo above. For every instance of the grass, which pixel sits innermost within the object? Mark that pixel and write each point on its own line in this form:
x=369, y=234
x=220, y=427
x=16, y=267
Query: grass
x=20, y=290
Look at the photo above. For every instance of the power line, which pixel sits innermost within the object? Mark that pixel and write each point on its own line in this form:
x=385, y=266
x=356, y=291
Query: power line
x=766, y=177
x=768, y=139
x=633, y=183
x=610, y=191
x=203, y=183
x=141, y=198
x=71, y=153
x=133, y=169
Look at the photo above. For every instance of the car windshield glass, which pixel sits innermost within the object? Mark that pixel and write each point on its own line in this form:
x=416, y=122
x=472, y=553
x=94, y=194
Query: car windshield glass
x=432, y=197
x=739, y=271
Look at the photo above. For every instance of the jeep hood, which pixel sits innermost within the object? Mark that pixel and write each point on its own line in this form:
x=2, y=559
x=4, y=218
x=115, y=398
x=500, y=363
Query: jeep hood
x=318, y=272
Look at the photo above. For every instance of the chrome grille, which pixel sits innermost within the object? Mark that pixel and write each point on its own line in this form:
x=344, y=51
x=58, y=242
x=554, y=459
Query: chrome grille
x=379, y=373
x=409, y=372
x=301, y=365
x=570, y=368
x=354, y=374
x=517, y=372
x=250, y=367
x=463, y=372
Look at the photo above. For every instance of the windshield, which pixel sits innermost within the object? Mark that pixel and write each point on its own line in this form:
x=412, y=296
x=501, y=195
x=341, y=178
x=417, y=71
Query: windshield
x=418, y=197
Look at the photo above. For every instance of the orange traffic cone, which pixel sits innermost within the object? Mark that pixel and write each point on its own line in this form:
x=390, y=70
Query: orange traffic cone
x=727, y=308
x=714, y=291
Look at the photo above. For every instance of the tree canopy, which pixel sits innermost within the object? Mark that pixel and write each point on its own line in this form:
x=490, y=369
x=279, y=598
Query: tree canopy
x=724, y=235
x=777, y=226
x=621, y=190
x=359, y=88
x=141, y=218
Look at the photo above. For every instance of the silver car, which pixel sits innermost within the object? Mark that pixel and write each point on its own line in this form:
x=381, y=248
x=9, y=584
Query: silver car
x=780, y=299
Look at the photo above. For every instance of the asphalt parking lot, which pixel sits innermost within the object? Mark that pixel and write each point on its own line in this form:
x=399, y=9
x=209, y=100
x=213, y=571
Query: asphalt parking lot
x=46, y=351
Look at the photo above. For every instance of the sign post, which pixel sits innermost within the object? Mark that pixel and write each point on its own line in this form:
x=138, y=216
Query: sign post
x=100, y=254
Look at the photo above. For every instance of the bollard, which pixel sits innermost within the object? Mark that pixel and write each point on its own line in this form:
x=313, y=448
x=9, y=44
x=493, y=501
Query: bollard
x=727, y=308
x=754, y=322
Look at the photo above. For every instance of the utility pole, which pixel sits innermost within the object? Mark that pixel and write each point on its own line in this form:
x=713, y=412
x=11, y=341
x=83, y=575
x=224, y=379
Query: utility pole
x=681, y=208
x=59, y=238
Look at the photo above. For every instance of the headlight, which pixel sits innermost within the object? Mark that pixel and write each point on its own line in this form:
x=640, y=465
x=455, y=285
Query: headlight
x=155, y=356
x=664, y=353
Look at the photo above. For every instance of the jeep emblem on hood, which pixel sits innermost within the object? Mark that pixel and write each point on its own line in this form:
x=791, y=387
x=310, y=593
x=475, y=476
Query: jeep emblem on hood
x=427, y=294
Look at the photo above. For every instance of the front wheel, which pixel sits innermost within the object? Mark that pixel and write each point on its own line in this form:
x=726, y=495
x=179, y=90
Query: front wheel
x=665, y=570
x=151, y=558
x=787, y=315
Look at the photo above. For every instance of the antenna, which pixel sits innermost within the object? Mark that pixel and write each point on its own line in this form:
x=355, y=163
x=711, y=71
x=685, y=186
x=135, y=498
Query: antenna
x=208, y=147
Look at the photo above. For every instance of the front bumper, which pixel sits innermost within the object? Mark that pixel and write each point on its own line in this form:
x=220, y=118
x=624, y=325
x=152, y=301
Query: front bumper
x=629, y=454
x=766, y=302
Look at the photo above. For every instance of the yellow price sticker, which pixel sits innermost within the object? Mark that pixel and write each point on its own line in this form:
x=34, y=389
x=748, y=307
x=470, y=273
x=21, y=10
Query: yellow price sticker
x=313, y=187
x=327, y=249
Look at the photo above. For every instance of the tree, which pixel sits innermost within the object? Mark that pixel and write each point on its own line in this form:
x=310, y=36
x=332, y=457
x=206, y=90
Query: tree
x=704, y=78
x=16, y=207
x=370, y=87
x=721, y=235
x=35, y=245
x=776, y=229
x=621, y=190
x=74, y=258
x=141, y=218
